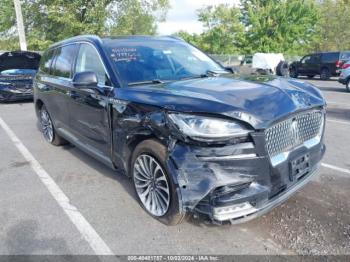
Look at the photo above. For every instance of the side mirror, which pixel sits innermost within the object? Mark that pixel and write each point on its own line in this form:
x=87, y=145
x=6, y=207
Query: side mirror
x=86, y=79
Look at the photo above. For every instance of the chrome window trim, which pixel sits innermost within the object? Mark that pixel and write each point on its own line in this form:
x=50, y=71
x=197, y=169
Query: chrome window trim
x=98, y=54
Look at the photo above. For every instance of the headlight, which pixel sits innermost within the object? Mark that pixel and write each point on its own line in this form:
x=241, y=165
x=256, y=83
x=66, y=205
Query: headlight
x=207, y=128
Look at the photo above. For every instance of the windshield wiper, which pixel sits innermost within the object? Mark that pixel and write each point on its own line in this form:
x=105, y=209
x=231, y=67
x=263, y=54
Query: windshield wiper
x=208, y=73
x=154, y=81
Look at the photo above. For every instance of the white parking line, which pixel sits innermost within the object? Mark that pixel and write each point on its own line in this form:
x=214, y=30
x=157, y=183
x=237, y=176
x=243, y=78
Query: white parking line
x=343, y=170
x=84, y=227
x=338, y=121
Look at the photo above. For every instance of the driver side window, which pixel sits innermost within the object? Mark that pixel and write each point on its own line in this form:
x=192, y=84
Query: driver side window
x=89, y=60
x=306, y=60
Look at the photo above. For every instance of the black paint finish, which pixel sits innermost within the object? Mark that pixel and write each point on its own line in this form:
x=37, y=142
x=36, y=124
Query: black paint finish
x=108, y=123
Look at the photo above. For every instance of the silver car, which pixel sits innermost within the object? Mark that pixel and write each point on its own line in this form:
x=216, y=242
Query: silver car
x=344, y=77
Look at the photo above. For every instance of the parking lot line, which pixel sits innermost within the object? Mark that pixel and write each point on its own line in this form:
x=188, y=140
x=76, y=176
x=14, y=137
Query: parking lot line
x=88, y=232
x=340, y=169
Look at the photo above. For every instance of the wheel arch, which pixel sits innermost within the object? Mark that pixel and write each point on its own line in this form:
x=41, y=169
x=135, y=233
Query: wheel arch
x=38, y=105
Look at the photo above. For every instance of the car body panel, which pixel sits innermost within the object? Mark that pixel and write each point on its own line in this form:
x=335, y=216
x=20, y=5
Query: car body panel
x=344, y=74
x=109, y=123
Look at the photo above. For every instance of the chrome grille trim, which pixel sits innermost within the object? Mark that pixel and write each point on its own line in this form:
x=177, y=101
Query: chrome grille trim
x=293, y=132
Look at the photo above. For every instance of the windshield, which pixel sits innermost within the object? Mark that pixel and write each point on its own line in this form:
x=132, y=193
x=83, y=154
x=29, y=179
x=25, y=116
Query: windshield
x=149, y=60
x=18, y=72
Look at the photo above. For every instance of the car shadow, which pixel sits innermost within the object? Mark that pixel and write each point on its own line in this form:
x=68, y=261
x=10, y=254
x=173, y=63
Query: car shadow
x=333, y=89
x=101, y=168
x=29, y=101
x=23, y=238
x=317, y=78
x=338, y=113
x=126, y=183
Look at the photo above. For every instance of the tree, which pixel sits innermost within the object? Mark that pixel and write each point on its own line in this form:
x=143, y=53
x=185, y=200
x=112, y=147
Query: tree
x=48, y=21
x=223, y=32
x=287, y=26
x=137, y=17
x=334, y=25
x=194, y=39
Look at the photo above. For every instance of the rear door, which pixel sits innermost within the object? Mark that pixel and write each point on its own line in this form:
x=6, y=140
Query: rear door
x=55, y=82
x=329, y=61
x=314, y=65
x=89, y=118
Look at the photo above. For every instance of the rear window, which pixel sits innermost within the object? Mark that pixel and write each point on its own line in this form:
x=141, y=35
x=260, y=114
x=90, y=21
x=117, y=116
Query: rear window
x=330, y=57
x=46, y=61
x=345, y=56
x=64, y=59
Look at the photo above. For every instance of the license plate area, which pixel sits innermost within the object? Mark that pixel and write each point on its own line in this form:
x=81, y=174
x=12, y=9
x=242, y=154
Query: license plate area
x=300, y=167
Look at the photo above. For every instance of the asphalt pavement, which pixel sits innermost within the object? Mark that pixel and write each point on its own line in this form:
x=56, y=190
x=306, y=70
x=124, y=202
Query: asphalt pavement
x=58, y=200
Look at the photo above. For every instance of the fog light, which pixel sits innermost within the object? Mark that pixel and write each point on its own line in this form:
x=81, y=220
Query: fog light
x=234, y=211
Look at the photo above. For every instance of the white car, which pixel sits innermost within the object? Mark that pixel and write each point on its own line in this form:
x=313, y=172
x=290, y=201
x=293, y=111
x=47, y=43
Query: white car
x=344, y=77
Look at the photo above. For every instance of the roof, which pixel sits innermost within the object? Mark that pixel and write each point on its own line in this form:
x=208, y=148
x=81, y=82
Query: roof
x=95, y=38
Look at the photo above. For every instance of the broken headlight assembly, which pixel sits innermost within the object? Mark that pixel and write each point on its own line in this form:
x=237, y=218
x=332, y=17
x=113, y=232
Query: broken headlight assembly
x=204, y=128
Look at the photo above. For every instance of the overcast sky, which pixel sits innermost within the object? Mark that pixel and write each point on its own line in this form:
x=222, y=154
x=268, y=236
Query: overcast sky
x=183, y=15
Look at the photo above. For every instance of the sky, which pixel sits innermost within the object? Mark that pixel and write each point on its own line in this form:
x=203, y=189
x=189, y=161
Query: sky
x=183, y=15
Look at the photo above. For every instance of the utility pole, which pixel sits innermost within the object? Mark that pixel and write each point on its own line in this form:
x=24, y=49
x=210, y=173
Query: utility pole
x=20, y=26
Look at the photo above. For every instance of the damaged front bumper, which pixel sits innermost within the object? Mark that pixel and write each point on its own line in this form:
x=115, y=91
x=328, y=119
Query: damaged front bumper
x=10, y=95
x=237, y=182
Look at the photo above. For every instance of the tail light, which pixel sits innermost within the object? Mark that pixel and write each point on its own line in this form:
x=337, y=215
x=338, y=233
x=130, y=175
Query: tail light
x=338, y=63
x=345, y=66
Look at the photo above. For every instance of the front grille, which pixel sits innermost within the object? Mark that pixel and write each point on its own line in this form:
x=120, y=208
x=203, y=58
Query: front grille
x=292, y=132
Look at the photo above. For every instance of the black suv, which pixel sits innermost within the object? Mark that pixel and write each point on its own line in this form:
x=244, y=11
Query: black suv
x=192, y=136
x=326, y=65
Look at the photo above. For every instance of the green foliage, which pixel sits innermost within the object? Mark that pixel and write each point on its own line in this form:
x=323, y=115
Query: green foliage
x=49, y=21
x=334, y=25
x=7, y=16
x=136, y=17
x=223, y=31
x=287, y=26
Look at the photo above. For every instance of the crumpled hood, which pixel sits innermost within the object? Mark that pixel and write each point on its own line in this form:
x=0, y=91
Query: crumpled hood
x=257, y=100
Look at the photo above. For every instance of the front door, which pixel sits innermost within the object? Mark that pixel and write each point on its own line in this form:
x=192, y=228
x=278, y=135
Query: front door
x=305, y=65
x=89, y=118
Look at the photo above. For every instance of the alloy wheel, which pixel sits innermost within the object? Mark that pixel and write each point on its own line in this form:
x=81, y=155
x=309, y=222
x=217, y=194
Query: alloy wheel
x=46, y=125
x=151, y=185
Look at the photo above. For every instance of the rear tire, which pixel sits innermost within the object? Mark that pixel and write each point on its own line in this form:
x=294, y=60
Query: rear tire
x=310, y=76
x=348, y=85
x=155, y=153
x=48, y=129
x=293, y=72
x=325, y=74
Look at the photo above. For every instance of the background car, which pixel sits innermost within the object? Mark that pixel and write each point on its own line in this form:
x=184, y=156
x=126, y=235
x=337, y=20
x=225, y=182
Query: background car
x=17, y=70
x=344, y=77
x=326, y=65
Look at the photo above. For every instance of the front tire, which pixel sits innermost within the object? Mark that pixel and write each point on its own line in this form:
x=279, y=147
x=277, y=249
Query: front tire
x=48, y=129
x=155, y=190
x=348, y=85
